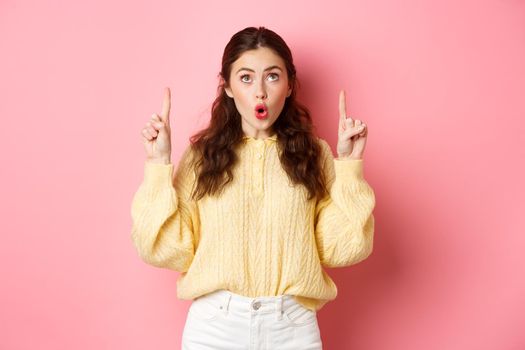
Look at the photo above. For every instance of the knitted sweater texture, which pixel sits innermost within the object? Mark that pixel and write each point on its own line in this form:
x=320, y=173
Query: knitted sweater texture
x=261, y=236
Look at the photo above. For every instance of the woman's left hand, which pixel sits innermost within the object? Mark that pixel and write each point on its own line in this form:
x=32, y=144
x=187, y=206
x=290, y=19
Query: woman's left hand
x=352, y=135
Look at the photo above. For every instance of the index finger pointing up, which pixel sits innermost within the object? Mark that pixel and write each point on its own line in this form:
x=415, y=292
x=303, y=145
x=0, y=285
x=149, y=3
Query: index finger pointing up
x=342, y=106
x=166, y=105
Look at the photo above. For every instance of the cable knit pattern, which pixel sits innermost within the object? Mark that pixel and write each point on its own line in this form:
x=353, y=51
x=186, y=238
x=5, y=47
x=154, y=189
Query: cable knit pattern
x=261, y=236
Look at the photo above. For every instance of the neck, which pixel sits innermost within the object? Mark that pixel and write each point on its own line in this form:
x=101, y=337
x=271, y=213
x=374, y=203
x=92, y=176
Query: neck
x=260, y=135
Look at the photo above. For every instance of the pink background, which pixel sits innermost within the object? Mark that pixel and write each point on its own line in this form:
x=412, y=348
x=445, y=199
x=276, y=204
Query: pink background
x=439, y=83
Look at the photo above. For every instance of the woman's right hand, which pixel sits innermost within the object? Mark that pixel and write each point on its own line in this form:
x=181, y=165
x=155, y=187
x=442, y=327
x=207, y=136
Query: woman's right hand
x=156, y=135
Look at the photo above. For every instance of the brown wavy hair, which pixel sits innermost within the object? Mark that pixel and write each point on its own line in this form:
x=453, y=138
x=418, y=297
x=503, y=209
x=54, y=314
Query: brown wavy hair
x=215, y=145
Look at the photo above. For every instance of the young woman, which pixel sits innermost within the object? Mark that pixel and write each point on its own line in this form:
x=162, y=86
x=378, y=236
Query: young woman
x=256, y=206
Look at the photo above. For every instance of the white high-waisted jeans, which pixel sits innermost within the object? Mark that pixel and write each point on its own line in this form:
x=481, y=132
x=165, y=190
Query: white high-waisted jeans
x=223, y=320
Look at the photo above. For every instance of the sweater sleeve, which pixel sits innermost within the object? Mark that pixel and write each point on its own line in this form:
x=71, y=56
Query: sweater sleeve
x=344, y=223
x=165, y=220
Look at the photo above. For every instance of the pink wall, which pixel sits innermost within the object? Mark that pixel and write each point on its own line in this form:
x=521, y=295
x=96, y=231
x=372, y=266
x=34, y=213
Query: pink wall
x=439, y=83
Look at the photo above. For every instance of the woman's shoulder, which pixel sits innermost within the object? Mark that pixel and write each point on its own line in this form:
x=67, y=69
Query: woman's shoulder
x=188, y=157
x=325, y=146
x=191, y=152
x=322, y=141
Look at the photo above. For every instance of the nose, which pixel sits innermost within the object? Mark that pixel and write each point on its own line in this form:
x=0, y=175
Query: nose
x=261, y=91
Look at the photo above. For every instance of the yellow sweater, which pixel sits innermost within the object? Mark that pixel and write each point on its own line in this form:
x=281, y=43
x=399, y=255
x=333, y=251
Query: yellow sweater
x=261, y=237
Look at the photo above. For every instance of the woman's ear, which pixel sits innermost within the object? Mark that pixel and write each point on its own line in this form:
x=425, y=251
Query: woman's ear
x=226, y=89
x=289, y=92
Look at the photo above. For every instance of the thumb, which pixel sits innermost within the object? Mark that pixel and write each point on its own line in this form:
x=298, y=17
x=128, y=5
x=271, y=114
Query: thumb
x=352, y=131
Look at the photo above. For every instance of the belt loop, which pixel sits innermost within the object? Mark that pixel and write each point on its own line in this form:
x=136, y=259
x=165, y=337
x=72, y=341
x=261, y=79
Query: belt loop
x=279, y=303
x=225, y=304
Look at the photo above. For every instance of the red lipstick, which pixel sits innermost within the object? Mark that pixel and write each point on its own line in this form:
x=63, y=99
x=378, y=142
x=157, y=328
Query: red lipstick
x=261, y=111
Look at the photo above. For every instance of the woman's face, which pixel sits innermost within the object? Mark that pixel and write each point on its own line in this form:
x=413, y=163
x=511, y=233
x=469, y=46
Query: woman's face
x=258, y=76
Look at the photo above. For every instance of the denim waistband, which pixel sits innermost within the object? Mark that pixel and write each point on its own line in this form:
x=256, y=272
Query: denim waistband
x=227, y=300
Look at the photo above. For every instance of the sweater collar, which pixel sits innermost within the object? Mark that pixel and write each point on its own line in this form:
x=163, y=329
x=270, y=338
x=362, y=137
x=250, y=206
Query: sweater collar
x=253, y=139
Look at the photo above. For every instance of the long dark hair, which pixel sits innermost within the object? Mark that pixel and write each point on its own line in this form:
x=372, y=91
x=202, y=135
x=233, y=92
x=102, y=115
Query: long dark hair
x=216, y=144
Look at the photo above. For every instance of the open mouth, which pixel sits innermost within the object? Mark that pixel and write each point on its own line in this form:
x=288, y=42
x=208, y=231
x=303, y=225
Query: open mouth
x=261, y=111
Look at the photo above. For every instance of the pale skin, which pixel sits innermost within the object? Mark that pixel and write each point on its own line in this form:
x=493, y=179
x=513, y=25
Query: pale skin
x=351, y=135
x=156, y=135
x=258, y=76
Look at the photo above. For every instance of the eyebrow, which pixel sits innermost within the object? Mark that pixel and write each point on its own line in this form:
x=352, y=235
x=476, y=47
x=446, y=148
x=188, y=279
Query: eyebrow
x=251, y=70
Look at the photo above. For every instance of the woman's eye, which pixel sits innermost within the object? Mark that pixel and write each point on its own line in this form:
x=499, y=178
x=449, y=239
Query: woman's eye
x=275, y=75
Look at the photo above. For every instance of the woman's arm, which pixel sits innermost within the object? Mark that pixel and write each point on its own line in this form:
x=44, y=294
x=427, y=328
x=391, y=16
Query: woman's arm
x=344, y=223
x=165, y=220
